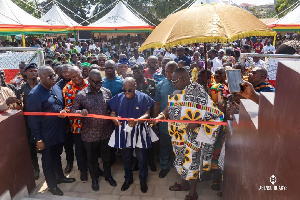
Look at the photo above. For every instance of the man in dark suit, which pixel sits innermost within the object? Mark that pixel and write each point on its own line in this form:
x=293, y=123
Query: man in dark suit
x=48, y=132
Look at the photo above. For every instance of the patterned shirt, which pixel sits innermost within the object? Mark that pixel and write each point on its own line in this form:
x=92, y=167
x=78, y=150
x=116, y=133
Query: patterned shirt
x=193, y=104
x=69, y=93
x=218, y=92
x=94, y=129
x=264, y=87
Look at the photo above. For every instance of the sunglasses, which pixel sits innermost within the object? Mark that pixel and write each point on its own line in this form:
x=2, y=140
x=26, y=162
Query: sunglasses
x=50, y=76
x=131, y=90
x=97, y=82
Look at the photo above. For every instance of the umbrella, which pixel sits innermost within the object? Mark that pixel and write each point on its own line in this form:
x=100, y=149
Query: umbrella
x=206, y=23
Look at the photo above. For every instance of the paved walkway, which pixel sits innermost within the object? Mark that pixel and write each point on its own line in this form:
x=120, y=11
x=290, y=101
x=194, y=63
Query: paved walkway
x=158, y=189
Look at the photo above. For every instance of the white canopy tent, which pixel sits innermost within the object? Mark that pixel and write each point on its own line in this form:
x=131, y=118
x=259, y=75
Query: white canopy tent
x=120, y=16
x=11, y=14
x=200, y=2
x=55, y=16
x=290, y=22
x=292, y=17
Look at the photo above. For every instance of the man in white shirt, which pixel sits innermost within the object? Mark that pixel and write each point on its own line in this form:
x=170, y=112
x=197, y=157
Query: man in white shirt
x=258, y=62
x=268, y=48
x=78, y=46
x=92, y=46
x=173, y=54
x=217, y=61
x=139, y=59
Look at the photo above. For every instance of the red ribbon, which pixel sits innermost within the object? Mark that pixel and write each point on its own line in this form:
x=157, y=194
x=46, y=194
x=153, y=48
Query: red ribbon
x=121, y=118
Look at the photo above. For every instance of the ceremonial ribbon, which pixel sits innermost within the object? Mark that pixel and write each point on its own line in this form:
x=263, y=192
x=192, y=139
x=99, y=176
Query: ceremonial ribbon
x=121, y=118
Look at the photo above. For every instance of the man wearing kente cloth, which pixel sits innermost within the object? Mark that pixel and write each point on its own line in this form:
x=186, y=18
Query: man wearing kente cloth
x=190, y=141
x=257, y=78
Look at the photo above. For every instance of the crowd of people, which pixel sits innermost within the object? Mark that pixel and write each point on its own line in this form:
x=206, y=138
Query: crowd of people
x=142, y=91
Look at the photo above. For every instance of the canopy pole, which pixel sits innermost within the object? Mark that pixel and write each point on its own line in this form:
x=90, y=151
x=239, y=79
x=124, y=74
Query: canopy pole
x=205, y=72
x=23, y=40
x=274, y=40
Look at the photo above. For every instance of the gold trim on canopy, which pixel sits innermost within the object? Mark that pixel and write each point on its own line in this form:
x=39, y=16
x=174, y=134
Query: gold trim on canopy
x=206, y=23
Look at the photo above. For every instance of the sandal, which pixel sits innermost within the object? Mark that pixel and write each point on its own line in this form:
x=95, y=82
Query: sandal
x=189, y=197
x=178, y=187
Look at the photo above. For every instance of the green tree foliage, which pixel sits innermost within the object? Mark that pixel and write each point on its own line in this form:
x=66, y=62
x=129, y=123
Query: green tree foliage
x=282, y=5
x=29, y=7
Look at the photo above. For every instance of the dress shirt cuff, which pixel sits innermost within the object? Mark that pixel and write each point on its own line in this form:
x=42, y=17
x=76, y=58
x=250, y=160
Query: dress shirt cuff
x=38, y=137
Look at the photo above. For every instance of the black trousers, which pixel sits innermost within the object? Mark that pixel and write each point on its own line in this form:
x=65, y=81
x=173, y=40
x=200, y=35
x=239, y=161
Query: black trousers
x=51, y=162
x=141, y=154
x=80, y=153
x=32, y=148
x=68, y=145
x=92, y=157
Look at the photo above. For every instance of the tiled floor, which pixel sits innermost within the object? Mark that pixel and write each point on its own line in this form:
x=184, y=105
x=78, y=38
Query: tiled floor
x=158, y=189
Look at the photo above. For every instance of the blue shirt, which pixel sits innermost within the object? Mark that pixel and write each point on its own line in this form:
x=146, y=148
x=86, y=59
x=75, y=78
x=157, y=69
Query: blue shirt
x=163, y=89
x=115, y=86
x=50, y=129
x=185, y=58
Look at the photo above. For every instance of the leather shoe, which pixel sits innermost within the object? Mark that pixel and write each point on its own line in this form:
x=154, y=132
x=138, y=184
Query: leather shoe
x=95, y=185
x=56, y=191
x=83, y=177
x=111, y=181
x=163, y=173
x=68, y=168
x=36, y=174
x=152, y=166
x=126, y=185
x=144, y=187
x=65, y=180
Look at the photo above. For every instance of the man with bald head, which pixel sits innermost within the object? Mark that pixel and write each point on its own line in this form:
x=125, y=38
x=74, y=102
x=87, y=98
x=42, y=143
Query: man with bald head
x=190, y=102
x=152, y=66
x=48, y=132
x=257, y=77
x=94, y=100
x=70, y=91
x=132, y=134
x=111, y=81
